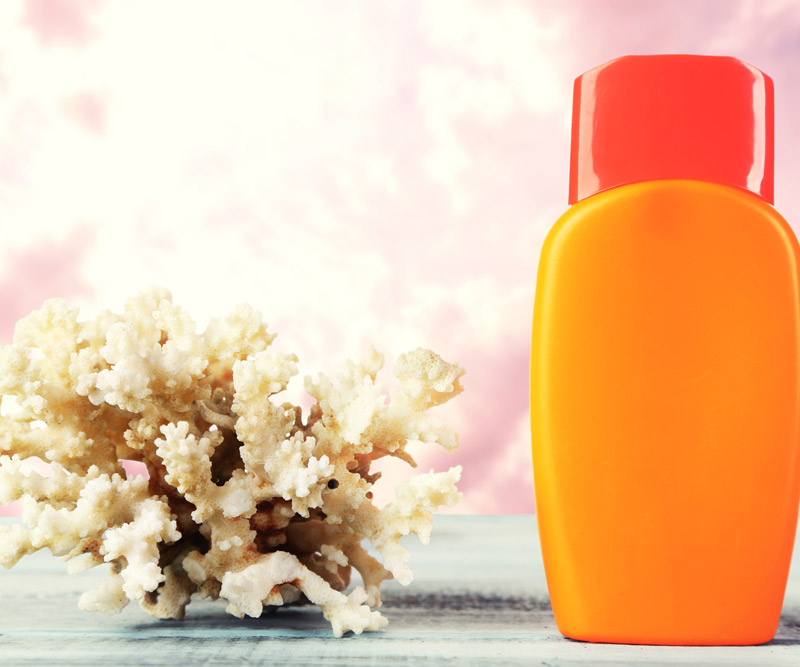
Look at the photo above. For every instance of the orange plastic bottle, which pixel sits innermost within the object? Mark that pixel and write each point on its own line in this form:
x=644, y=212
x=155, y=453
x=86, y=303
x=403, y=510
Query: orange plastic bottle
x=664, y=380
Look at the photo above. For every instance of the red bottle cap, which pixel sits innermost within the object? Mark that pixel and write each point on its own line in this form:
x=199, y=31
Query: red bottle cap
x=643, y=118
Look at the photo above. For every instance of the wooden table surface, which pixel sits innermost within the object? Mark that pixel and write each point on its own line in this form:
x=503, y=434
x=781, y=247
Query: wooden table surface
x=478, y=597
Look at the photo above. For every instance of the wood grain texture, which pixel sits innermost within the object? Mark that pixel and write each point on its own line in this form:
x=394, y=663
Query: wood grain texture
x=478, y=597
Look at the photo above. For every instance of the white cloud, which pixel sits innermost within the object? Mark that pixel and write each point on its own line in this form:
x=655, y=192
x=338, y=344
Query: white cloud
x=505, y=37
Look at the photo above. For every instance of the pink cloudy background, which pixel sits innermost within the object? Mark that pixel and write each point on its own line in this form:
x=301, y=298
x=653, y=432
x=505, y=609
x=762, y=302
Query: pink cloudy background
x=362, y=172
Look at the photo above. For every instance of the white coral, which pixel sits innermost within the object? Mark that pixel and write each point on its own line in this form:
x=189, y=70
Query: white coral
x=245, y=500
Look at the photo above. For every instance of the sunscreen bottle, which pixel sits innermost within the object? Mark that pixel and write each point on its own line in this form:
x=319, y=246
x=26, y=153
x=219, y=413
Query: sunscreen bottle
x=665, y=404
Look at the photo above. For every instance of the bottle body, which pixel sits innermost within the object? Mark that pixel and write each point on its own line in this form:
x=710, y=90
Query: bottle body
x=665, y=409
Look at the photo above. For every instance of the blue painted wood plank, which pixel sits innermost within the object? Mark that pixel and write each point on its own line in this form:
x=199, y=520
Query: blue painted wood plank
x=479, y=597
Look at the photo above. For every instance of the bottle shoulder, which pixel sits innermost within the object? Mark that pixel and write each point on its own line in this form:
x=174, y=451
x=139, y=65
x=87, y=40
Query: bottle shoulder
x=654, y=208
